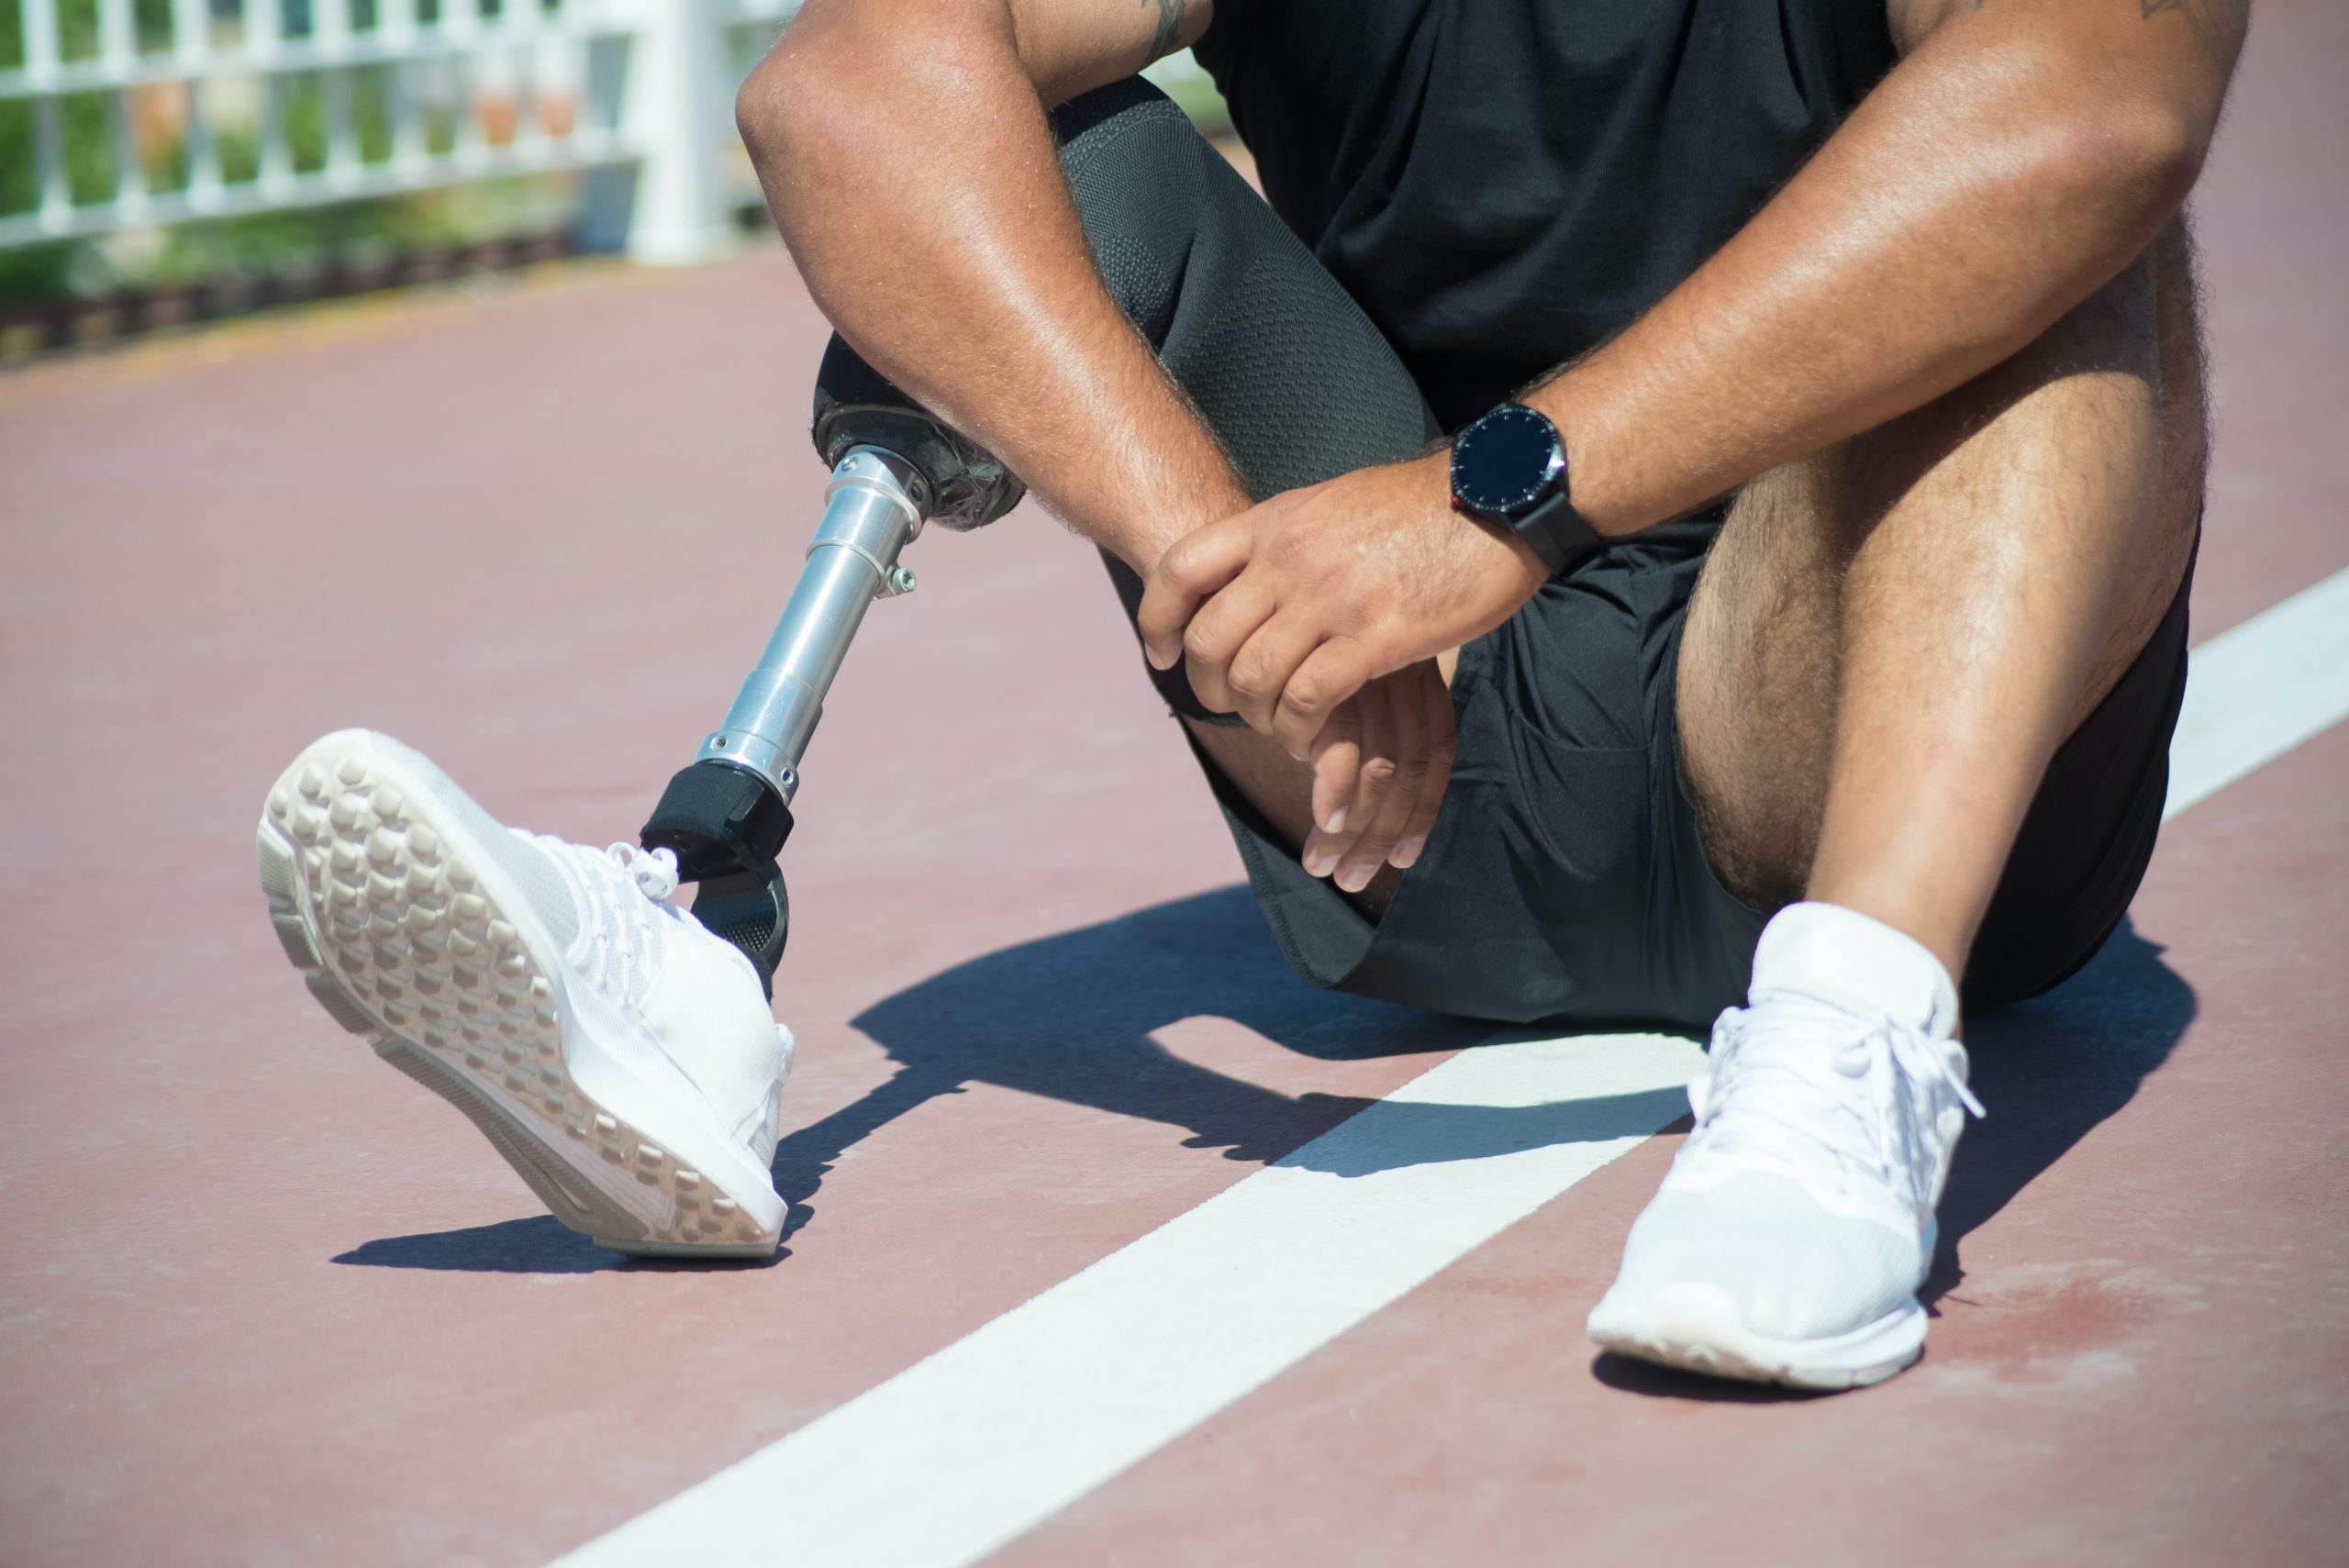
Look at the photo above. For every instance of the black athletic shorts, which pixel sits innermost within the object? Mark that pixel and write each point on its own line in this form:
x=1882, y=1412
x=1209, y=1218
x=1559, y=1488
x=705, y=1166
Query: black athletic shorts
x=1566, y=877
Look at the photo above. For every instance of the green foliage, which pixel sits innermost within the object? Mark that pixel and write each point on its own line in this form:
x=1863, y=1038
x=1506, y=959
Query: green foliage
x=263, y=243
x=35, y=272
x=1195, y=93
x=279, y=242
x=89, y=146
x=17, y=189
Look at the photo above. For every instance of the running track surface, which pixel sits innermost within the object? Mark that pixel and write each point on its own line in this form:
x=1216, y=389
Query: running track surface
x=262, y=1300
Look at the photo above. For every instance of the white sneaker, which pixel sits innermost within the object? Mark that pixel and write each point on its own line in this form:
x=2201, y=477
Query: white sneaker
x=619, y=1056
x=1791, y=1234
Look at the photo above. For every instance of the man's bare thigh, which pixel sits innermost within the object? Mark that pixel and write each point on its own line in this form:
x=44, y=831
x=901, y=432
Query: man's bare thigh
x=1759, y=669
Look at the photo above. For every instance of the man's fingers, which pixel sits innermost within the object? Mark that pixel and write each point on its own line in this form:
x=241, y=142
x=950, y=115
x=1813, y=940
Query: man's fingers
x=1337, y=759
x=1332, y=674
x=1337, y=756
x=1373, y=768
x=1219, y=631
x=1394, y=767
x=1380, y=767
x=1191, y=570
x=1441, y=744
x=1259, y=671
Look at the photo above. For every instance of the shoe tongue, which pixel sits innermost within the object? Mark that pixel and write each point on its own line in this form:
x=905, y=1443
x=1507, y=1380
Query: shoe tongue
x=1826, y=954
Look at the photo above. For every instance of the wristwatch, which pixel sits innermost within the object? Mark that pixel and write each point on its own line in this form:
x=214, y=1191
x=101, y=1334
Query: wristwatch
x=1508, y=468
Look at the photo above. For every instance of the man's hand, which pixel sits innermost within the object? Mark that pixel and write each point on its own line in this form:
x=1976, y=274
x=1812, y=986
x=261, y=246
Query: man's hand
x=1286, y=610
x=1380, y=766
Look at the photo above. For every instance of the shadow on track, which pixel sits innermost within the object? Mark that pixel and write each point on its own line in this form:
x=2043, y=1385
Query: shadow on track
x=537, y=1245
x=1071, y=1017
x=2049, y=1070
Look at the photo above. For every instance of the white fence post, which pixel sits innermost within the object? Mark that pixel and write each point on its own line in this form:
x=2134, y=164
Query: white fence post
x=39, y=24
x=679, y=105
x=192, y=51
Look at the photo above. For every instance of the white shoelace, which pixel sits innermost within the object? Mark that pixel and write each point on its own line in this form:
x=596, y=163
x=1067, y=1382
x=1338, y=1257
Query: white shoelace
x=1819, y=1082
x=619, y=925
x=655, y=870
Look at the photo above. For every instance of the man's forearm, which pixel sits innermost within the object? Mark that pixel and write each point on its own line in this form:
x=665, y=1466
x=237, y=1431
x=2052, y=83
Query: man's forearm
x=921, y=193
x=2008, y=167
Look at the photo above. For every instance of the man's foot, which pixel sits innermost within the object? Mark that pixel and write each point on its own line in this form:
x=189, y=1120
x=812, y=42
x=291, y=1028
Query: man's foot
x=619, y=1056
x=1791, y=1234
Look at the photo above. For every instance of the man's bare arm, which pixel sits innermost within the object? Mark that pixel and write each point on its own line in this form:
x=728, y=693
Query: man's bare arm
x=907, y=159
x=905, y=151
x=2019, y=156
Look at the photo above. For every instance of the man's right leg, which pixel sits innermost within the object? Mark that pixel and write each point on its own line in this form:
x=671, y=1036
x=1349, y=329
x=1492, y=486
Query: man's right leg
x=1894, y=636
x=1890, y=642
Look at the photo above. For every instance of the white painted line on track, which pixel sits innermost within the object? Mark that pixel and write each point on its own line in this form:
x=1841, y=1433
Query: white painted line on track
x=961, y=1452
x=2255, y=691
x=965, y=1450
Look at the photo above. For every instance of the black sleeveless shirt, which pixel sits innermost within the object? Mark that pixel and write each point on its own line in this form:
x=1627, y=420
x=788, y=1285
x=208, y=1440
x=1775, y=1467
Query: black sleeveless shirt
x=1503, y=184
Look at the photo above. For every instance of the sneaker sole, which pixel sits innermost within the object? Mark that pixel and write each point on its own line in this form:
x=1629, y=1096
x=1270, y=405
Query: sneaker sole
x=1697, y=1329
x=401, y=930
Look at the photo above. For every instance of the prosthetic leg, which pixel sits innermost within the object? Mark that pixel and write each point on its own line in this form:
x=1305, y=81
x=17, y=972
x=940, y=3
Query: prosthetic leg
x=1202, y=268
x=725, y=816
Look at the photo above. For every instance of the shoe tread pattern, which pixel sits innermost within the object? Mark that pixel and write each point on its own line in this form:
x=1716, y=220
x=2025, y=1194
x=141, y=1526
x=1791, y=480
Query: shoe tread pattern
x=400, y=945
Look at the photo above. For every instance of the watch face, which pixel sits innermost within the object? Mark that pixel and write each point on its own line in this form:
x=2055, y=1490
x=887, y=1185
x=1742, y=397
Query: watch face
x=1504, y=462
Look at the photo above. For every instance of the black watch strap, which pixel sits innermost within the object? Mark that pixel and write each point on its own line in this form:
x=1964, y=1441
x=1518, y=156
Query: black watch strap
x=1561, y=536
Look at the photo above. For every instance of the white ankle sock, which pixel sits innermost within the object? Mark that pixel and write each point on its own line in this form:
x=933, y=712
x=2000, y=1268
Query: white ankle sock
x=1827, y=953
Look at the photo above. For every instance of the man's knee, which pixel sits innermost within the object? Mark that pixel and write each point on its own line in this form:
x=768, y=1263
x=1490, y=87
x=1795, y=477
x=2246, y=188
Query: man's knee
x=1133, y=162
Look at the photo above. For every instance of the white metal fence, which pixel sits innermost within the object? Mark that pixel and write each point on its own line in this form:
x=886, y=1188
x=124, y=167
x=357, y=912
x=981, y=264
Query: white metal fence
x=394, y=96
x=414, y=95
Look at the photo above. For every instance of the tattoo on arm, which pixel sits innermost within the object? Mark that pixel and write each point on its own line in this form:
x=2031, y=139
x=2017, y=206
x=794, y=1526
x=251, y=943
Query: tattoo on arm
x=2220, y=21
x=1170, y=24
x=2234, y=11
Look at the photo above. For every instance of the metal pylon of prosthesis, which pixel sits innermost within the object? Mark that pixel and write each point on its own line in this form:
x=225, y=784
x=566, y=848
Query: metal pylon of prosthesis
x=726, y=814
